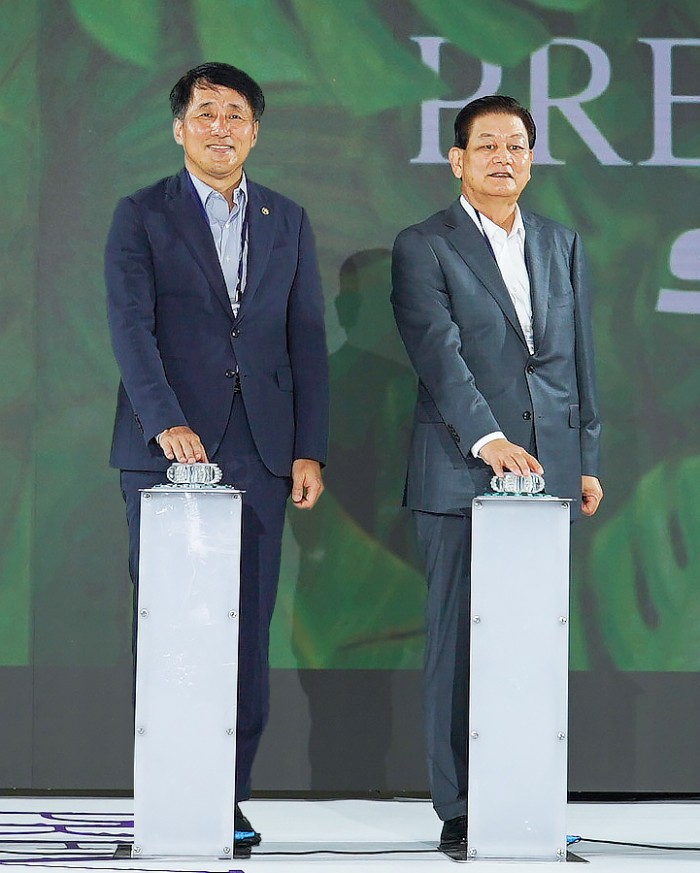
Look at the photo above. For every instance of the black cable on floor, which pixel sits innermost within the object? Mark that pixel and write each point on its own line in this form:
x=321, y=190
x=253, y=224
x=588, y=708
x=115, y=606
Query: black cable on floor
x=641, y=845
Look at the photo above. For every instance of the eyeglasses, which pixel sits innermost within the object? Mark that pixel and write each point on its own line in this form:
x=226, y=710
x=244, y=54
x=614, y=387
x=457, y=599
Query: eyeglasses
x=207, y=120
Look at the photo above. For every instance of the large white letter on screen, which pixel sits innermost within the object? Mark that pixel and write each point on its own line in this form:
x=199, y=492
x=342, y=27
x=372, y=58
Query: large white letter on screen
x=570, y=107
x=430, y=152
x=685, y=264
x=664, y=98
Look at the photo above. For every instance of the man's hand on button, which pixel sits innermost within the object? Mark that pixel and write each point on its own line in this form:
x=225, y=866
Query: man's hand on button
x=307, y=484
x=502, y=455
x=182, y=444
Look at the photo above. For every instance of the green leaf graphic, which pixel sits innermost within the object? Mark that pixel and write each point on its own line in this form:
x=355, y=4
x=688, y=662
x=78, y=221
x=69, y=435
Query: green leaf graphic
x=357, y=606
x=254, y=35
x=492, y=30
x=359, y=59
x=565, y=5
x=20, y=144
x=127, y=29
x=645, y=570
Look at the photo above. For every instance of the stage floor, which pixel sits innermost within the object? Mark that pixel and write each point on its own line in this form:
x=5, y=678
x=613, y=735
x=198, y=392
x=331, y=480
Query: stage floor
x=81, y=833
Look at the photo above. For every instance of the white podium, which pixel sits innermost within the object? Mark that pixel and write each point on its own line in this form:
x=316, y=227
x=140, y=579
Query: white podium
x=187, y=672
x=518, y=692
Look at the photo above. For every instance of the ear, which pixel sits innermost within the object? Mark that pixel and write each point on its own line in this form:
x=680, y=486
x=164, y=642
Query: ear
x=256, y=127
x=177, y=130
x=456, y=159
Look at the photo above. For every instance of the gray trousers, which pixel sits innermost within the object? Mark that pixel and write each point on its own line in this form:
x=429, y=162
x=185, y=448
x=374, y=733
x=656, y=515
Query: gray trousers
x=445, y=544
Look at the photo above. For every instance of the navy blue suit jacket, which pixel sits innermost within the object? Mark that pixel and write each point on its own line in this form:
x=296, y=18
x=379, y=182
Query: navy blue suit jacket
x=178, y=345
x=475, y=372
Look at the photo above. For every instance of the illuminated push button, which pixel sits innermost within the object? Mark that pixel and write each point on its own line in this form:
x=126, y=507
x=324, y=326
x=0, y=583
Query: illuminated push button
x=511, y=483
x=194, y=474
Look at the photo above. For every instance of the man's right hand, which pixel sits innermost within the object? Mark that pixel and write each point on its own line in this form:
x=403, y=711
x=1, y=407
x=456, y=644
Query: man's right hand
x=502, y=455
x=182, y=444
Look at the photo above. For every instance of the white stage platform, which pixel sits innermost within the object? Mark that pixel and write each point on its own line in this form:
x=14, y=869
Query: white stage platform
x=81, y=833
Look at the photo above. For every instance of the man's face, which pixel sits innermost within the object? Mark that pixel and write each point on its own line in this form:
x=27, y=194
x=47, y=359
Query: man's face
x=496, y=161
x=216, y=133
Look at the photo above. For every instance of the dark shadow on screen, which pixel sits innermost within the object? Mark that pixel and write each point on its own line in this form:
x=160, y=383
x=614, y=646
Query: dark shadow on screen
x=358, y=549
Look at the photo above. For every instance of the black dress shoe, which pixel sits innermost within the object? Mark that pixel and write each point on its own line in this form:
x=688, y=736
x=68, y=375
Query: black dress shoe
x=453, y=839
x=245, y=836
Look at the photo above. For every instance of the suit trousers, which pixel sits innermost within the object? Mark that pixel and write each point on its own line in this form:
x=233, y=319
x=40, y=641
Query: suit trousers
x=264, y=504
x=445, y=545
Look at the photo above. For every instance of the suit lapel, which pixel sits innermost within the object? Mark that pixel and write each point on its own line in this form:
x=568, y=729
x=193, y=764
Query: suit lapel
x=262, y=222
x=538, y=255
x=470, y=245
x=186, y=213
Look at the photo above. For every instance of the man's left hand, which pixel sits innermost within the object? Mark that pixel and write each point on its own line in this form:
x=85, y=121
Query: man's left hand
x=591, y=494
x=307, y=484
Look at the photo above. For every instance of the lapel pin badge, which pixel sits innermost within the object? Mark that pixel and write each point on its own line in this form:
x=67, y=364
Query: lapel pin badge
x=265, y=210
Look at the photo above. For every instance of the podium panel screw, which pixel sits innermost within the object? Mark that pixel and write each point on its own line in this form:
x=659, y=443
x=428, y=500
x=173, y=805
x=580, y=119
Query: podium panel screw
x=140, y=731
x=562, y=619
x=561, y=853
x=232, y=614
x=472, y=853
x=561, y=735
x=143, y=612
x=477, y=504
x=474, y=735
x=476, y=619
x=146, y=496
x=229, y=732
x=137, y=850
x=227, y=850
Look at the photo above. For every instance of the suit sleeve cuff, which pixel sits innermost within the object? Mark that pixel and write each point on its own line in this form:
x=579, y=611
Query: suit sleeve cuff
x=479, y=444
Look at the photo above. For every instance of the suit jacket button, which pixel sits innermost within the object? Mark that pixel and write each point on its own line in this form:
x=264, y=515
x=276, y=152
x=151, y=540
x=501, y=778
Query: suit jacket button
x=527, y=415
x=235, y=332
x=230, y=374
x=531, y=368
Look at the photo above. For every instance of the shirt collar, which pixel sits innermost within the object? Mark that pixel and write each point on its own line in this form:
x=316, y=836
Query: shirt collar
x=240, y=193
x=493, y=230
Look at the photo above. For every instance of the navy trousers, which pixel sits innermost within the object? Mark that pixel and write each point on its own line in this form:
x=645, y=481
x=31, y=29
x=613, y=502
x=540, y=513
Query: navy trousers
x=445, y=544
x=263, y=520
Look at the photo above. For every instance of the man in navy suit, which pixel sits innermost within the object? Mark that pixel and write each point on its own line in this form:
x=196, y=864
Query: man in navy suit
x=492, y=305
x=216, y=316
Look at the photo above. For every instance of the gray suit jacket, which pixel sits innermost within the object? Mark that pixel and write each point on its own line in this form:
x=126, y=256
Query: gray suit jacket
x=475, y=372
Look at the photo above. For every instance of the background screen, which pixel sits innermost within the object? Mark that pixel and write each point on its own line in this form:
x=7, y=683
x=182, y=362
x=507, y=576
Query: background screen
x=361, y=98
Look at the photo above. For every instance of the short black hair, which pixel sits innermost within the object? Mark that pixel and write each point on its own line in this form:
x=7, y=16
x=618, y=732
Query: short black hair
x=221, y=76
x=497, y=104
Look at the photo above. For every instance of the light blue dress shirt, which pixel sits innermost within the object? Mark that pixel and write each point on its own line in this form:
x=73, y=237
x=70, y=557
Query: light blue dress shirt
x=227, y=231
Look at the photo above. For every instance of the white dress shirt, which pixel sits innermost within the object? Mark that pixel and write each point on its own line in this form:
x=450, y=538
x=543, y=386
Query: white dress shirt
x=509, y=249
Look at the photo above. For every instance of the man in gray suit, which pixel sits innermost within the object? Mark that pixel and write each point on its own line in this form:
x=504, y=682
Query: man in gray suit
x=492, y=305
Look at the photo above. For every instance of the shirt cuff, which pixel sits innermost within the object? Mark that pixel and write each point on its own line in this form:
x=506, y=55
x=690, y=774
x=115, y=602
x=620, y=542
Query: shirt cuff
x=479, y=444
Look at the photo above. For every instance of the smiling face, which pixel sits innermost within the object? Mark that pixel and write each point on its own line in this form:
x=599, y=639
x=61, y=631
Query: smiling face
x=496, y=162
x=217, y=133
